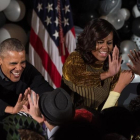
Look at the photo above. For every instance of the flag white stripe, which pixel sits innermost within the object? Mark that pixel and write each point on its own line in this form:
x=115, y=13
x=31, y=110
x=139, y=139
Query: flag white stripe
x=36, y=61
x=47, y=42
x=70, y=41
x=49, y=47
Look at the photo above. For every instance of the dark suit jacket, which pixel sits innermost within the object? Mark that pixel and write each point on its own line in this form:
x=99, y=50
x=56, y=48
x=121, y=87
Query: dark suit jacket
x=9, y=91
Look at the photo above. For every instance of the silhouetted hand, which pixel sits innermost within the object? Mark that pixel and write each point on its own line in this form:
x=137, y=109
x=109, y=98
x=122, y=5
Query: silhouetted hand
x=135, y=58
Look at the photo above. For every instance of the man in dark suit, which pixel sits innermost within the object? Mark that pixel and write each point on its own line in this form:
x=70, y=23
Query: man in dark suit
x=17, y=77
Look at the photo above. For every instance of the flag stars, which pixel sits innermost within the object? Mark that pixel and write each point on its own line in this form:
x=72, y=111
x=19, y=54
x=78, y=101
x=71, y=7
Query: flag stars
x=56, y=34
x=66, y=22
x=67, y=9
x=57, y=8
x=56, y=22
x=39, y=7
x=48, y=20
x=49, y=7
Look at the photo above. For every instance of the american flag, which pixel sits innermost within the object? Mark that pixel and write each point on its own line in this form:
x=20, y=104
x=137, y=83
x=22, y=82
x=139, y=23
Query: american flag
x=52, y=38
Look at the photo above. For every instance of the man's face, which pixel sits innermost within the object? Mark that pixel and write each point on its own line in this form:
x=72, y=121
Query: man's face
x=12, y=64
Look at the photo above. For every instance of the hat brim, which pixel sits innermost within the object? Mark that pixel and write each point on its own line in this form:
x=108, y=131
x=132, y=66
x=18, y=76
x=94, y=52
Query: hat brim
x=51, y=112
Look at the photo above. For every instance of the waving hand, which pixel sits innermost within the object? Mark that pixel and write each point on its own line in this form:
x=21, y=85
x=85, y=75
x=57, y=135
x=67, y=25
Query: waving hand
x=114, y=63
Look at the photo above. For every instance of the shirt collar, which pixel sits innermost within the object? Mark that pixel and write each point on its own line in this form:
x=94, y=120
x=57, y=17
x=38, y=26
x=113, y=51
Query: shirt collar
x=52, y=132
x=2, y=75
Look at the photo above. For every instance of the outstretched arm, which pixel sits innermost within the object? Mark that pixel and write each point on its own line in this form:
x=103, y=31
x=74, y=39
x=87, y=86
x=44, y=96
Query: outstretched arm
x=125, y=78
x=135, y=58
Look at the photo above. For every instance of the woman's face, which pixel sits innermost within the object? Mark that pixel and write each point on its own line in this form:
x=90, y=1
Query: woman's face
x=103, y=48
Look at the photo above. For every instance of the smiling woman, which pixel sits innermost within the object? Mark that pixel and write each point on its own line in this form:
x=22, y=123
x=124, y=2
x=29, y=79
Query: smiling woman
x=91, y=72
x=103, y=48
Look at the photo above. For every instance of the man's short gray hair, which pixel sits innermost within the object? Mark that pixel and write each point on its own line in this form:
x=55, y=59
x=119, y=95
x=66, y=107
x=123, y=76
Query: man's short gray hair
x=11, y=44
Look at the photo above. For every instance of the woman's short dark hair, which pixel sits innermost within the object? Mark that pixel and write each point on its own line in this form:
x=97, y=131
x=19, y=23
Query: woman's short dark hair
x=95, y=30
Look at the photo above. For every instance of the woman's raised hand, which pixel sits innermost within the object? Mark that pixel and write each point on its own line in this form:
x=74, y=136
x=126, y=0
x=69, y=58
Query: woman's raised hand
x=114, y=62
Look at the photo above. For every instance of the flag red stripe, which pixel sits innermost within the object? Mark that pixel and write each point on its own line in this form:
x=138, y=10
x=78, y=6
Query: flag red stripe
x=46, y=61
x=73, y=31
